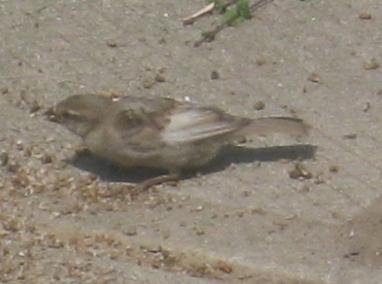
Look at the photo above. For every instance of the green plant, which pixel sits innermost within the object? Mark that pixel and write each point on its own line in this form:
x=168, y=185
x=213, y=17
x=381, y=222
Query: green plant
x=231, y=15
x=233, y=11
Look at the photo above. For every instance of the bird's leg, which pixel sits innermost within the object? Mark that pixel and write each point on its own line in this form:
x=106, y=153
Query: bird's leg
x=171, y=176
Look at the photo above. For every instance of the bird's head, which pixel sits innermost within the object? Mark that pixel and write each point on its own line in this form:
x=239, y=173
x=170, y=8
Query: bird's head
x=81, y=113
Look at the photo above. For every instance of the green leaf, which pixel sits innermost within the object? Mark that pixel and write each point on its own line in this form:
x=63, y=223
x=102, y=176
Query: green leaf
x=230, y=16
x=243, y=9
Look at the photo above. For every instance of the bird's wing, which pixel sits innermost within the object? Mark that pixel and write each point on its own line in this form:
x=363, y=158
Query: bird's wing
x=157, y=121
x=138, y=132
x=138, y=123
x=188, y=123
x=147, y=105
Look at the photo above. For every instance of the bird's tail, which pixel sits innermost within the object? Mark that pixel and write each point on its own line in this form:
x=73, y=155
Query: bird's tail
x=268, y=125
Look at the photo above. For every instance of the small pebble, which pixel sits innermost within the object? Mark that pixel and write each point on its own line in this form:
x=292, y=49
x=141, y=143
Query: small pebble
x=364, y=16
x=215, y=75
x=314, y=77
x=160, y=78
x=351, y=136
x=19, y=145
x=224, y=267
x=50, y=139
x=333, y=169
x=148, y=83
x=199, y=231
x=366, y=107
x=260, y=61
x=300, y=172
x=4, y=90
x=372, y=64
x=258, y=211
x=259, y=105
x=131, y=231
x=111, y=44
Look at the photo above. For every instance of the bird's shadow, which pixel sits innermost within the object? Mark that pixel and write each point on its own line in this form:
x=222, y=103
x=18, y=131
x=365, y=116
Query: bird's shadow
x=107, y=171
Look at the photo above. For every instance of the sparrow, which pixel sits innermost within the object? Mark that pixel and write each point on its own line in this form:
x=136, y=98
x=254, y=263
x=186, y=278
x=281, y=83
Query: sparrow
x=159, y=132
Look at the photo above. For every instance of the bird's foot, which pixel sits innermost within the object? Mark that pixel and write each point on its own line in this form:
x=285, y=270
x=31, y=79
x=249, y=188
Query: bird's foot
x=145, y=185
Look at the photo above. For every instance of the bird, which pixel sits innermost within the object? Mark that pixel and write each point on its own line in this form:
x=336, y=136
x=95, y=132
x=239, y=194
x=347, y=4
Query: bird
x=161, y=132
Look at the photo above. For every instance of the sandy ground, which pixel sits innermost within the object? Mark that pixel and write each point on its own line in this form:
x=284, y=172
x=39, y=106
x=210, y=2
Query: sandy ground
x=67, y=218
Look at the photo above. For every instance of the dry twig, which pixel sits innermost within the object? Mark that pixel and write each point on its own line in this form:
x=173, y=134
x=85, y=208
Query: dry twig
x=207, y=9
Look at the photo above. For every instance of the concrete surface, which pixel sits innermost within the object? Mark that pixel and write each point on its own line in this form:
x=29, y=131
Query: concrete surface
x=246, y=221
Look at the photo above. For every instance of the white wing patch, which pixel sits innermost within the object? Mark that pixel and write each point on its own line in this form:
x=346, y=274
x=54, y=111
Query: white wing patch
x=193, y=124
